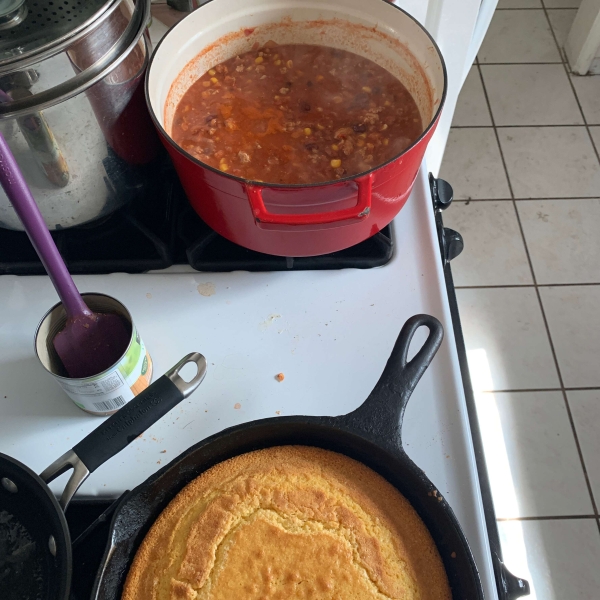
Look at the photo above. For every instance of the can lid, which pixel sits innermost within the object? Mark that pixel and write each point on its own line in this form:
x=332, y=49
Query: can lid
x=46, y=23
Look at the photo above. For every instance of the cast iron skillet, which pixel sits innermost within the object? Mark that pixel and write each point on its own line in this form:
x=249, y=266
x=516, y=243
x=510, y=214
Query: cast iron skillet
x=35, y=544
x=370, y=434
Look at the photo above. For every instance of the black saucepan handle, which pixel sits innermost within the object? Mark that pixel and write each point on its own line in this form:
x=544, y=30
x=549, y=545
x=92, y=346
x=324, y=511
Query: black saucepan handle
x=380, y=416
x=130, y=421
x=125, y=425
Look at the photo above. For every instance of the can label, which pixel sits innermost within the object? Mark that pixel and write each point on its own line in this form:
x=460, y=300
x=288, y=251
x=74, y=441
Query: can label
x=106, y=393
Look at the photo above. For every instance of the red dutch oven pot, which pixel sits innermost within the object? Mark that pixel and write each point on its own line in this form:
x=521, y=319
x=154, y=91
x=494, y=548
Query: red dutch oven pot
x=297, y=220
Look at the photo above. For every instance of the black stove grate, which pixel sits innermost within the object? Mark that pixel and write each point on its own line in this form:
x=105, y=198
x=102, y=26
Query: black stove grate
x=206, y=250
x=160, y=229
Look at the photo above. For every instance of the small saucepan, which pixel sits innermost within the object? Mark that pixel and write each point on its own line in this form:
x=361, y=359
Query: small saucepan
x=35, y=544
x=307, y=219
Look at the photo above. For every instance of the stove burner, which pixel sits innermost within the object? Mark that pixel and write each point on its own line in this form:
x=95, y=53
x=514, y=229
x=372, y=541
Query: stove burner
x=159, y=229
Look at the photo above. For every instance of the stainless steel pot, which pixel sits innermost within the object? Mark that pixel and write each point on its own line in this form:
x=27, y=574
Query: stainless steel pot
x=72, y=107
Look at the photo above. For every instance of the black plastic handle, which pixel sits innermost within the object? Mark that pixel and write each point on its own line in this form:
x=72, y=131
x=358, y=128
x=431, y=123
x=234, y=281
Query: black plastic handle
x=381, y=415
x=125, y=425
x=139, y=414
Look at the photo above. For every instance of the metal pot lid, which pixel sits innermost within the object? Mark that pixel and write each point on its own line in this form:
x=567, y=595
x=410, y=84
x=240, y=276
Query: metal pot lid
x=91, y=44
x=45, y=26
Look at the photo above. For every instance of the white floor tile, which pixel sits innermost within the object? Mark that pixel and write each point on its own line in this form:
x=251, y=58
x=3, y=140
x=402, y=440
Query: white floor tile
x=574, y=322
x=562, y=239
x=494, y=252
x=531, y=95
x=471, y=109
x=519, y=4
x=519, y=36
x=473, y=165
x=561, y=21
x=507, y=344
x=595, y=131
x=587, y=89
x=531, y=454
x=585, y=408
x=562, y=3
x=550, y=162
x=559, y=558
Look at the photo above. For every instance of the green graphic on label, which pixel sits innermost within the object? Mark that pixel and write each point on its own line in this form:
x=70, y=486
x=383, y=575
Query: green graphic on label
x=131, y=359
x=145, y=365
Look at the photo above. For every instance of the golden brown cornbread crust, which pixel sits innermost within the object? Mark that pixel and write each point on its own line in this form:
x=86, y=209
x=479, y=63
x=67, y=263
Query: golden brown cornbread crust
x=286, y=523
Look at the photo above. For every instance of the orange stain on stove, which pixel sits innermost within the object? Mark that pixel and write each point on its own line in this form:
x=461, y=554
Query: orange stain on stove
x=237, y=406
x=148, y=295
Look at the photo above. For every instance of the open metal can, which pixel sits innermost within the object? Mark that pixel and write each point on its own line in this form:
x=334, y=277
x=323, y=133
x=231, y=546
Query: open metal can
x=105, y=393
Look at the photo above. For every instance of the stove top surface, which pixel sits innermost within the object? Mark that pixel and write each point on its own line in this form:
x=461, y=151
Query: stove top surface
x=160, y=229
x=330, y=332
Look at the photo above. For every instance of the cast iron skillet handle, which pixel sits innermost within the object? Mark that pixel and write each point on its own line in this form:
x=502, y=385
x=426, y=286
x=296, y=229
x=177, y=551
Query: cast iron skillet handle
x=510, y=586
x=380, y=416
x=124, y=426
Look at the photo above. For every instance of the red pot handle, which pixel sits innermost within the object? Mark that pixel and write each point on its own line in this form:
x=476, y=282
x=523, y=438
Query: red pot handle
x=360, y=211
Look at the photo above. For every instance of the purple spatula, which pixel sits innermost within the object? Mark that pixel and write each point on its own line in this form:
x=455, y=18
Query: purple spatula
x=90, y=342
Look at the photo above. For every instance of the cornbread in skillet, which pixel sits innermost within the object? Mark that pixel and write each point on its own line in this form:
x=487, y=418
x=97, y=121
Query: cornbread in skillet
x=287, y=523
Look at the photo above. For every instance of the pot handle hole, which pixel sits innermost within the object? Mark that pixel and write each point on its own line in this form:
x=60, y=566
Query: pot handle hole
x=359, y=212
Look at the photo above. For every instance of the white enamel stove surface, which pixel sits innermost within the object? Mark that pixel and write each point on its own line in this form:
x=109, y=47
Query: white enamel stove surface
x=329, y=332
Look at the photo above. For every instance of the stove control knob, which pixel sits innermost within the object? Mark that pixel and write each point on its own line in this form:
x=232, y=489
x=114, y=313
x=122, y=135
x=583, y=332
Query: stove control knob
x=441, y=192
x=453, y=244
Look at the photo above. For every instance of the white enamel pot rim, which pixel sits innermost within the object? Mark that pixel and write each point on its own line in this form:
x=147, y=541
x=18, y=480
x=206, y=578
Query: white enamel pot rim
x=380, y=31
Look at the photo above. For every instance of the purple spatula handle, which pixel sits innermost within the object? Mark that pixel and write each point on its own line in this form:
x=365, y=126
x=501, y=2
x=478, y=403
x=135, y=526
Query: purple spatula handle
x=18, y=193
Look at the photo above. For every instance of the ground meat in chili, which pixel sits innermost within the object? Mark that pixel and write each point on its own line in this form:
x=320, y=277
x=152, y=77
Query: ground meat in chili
x=296, y=114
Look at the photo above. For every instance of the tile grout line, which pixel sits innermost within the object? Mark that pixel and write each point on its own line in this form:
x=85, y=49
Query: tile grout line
x=468, y=200
x=500, y=64
x=551, y=343
x=566, y=400
x=523, y=285
x=555, y=125
x=538, y=8
x=560, y=378
x=523, y=390
x=548, y=518
x=489, y=107
x=558, y=371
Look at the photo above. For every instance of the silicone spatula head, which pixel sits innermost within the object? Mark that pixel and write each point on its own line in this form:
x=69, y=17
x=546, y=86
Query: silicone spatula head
x=91, y=343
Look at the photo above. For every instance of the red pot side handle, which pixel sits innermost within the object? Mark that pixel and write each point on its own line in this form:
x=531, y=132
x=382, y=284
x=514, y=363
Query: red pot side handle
x=359, y=212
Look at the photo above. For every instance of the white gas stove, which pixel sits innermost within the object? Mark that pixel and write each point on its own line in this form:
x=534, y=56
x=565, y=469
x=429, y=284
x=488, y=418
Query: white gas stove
x=329, y=332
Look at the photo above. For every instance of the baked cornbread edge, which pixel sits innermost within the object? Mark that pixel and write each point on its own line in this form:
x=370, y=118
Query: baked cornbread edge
x=369, y=489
